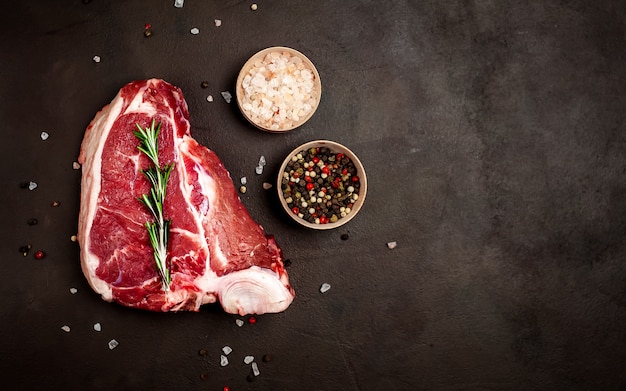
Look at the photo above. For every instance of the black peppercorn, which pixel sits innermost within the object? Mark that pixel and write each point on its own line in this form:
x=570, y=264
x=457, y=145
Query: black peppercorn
x=204, y=84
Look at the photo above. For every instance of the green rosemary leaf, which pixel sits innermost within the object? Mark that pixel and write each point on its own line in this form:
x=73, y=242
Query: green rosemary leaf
x=158, y=230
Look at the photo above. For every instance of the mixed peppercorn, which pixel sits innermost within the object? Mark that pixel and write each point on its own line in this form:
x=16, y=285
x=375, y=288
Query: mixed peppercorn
x=320, y=186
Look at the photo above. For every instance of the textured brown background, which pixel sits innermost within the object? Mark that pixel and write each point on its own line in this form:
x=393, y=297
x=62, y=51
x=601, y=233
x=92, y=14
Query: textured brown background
x=493, y=137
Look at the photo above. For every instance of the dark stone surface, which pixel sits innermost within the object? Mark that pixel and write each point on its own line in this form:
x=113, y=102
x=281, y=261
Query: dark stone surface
x=493, y=138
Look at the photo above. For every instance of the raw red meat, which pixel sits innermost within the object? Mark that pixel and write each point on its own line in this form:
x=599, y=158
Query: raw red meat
x=216, y=251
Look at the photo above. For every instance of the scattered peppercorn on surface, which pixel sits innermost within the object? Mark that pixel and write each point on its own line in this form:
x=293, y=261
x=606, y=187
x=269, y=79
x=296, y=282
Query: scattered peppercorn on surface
x=320, y=186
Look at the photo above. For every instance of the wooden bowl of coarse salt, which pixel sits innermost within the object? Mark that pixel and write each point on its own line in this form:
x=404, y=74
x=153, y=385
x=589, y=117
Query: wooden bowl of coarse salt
x=278, y=89
x=322, y=184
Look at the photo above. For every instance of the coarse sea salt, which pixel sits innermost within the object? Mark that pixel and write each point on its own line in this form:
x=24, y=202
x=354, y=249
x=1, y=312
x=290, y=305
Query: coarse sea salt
x=195, y=31
x=239, y=322
x=392, y=245
x=255, y=369
x=227, y=350
x=66, y=328
x=96, y=59
x=179, y=3
x=113, y=344
x=218, y=22
x=44, y=136
x=248, y=359
x=73, y=291
x=97, y=327
x=278, y=91
x=227, y=96
x=76, y=165
x=32, y=185
x=223, y=360
x=325, y=287
x=244, y=180
x=209, y=98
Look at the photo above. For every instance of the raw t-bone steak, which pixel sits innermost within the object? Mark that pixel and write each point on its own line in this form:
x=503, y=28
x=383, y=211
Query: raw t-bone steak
x=216, y=252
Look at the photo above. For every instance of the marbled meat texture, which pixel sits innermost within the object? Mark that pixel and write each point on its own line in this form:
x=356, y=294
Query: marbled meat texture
x=216, y=251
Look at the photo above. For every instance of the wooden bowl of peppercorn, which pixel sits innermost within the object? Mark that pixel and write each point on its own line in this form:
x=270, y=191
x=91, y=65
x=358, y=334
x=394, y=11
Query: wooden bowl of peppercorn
x=322, y=184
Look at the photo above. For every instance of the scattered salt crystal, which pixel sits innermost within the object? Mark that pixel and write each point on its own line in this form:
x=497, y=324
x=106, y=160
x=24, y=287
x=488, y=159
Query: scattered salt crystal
x=44, y=136
x=218, y=22
x=194, y=31
x=392, y=245
x=227, y=96
x=244, y=180
x=227, y=350
x=267, y=185
x=262, y=161
x=258, y=170
x=113, y=344
x=66, y=329
x=76, y=165
x=73, y=291
x=179, y=3
x=96, y=58
x=248, y=359
x=255, y=369
x=97, y=327
x=32, y=185
x=239, y=322
x=325, y=287
x=223, y=360
x=209, y=98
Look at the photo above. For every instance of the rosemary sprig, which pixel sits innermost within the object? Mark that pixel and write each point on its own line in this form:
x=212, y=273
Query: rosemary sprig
x=159, y=229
